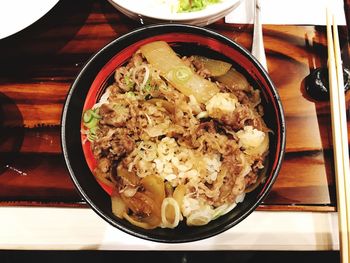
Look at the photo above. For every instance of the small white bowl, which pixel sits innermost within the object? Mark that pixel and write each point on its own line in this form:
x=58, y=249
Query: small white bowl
x=156, y=11
x=16, y=15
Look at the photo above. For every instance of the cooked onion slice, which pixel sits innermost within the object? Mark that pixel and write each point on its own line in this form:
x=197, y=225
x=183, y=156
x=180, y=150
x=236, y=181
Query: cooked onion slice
x=160, y=55
x=118, y=205
x=170, y=213
x=154, y=188
x=129, y=176
x=215, y=67
x=179, y=194
x=135, y=222
x=145, y=209
x=234, y=80
x=200, y=217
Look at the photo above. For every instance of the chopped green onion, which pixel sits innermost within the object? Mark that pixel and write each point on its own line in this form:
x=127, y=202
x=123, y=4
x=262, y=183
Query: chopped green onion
x=87, y=117
x=95, y=114
x=93, y=130
x=91, y=137
x=128, y=81
x=91, y=134
x=194, y=5
x=92, y=123
x=90, y=120
x=130, y=94
x=181, y=74
x=148, y=87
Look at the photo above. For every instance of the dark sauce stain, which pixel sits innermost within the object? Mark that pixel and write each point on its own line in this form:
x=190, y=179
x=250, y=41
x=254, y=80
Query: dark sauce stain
x=317, y=84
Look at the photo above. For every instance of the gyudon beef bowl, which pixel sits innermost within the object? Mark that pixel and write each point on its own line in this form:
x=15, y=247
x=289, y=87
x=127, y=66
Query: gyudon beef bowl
x=173, y=133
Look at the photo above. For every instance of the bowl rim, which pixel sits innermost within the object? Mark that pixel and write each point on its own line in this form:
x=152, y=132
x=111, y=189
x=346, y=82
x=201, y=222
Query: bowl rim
x=218, y=37
x=207, y=13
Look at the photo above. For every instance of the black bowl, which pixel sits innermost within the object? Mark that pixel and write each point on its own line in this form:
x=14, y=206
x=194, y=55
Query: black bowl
x=185, y=39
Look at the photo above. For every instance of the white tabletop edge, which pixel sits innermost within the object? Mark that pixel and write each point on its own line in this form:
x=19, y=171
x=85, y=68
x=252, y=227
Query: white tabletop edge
x=44, y=228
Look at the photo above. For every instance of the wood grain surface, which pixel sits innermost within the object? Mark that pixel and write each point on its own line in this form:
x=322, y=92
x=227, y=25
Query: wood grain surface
x=39, y=64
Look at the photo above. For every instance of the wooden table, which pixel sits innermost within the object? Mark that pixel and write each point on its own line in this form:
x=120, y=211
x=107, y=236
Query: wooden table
x=39, y=64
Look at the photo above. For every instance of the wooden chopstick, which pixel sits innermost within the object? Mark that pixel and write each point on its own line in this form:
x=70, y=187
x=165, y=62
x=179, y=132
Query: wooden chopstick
x=340, y=136
x=343, y=122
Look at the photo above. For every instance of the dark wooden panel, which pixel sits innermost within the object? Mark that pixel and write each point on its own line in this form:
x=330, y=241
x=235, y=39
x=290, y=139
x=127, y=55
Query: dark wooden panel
x=33, y=177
